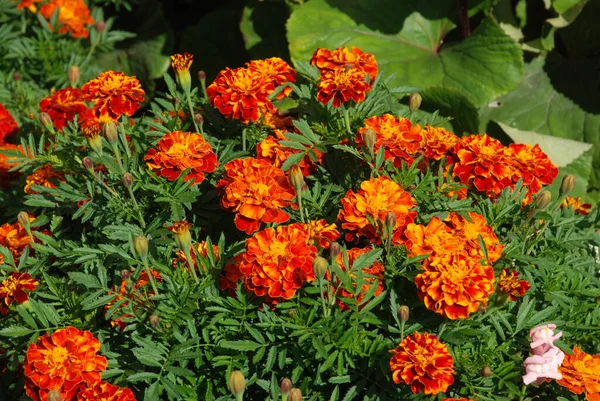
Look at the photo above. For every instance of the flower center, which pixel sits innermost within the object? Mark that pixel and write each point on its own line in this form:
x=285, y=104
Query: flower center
x=57, y=357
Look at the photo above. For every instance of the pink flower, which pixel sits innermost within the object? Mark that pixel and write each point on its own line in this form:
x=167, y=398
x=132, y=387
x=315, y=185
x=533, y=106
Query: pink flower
x=538, y=368
x=542, y=338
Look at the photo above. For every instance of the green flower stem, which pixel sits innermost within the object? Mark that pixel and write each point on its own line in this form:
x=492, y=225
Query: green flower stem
x=150, y=277
x=137, y=207
x=190, y=106
x=203, y=85
x=188, y=257
x=326, y=310
x=299, y=196
x=117, y=152
x=105, y=185
x=244, y=139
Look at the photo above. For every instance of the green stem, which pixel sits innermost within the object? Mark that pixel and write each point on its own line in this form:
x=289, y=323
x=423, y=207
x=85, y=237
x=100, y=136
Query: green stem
x=299, y=196
x=347, y=119
x=244, y=139
x=203, y=85
x=326, y=310
x=115, y=149
x=188, y=257
x=137, y=207
x=189, y=102
x=150, y=277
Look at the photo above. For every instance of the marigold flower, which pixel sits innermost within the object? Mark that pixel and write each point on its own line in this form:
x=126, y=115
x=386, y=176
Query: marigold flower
x=63, y=105
x=181, y=64
x=399, y=138
x=342, y=86
x=73, y=16
x=438, y=142
x=424, y=363
x=181, y=232
x=103, y=391
x=8, y=125
x=371, y=273
x=279, y=124
x=257, y=192
x=580, y=372
x=470, y=231
x=15, y=238
x=533, y=166
x=241, y=94
x=435, y=239
x=375, y=199
x=275, y=72
x=341, y=58
x=201, y=249
x=321, y=234
x=65, y=361
x=277, y=262
x=42, y=176
x=270, y=149
x=577, y=205
x=179, y=151
x=13, y=289
x=114, y=94
x=509, y=284
x=8, y=162
x=455, y=285
x=231, y=275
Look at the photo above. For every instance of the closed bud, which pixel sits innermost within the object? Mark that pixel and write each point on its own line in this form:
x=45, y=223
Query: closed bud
x=198, y=119
x=334, y=250
x=73, y=75
x=17, y=76
x=140, y=244
x=127, y=180
x=403, y=313
x=370, y=137
x=414, y=101
x=54, y=395
x=486, y=371
x=100, y=26
x=111, y=132
x=286, y=386
x=237, y=384
x=320, y=267
x=24, y=220
x=46, y=120
x=201, y=75
x=568, y=184
x=181, y=232
x=125, y=274
x=390, y=221
x=95, y=142
x=543, y=200
x=154, y=320
x=296, y=178
x=295, y=395
x=88, y=163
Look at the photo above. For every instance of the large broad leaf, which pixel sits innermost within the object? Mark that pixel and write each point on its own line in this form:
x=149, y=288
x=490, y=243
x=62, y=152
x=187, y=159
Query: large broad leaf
x=452, y=103
x=408, y=39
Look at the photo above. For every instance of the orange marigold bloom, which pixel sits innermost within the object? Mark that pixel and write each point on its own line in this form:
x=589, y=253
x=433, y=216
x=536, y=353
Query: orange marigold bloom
x=6, y=163
x=73, y=16
x=469, y=231
x=241, y=94
x=342, y=86
x=279, y=123
x=533, y=166
x=13, y=289
x=455, y=285
x=482, y=161
x=580, y=372
x=575, y=203
x=8, y=125
x=182, y=62
x=257, y=192
x=29, y=4
x=201, y=249
x=15, y=238
x=178, y=151
x=65, y=361
x=435, y=239
x=114, y=94
x=231, y=275
x=509, y=284
x=341, y=58
x=42, y=176
x=375, y=199
x=424, y=363
x=438, y=142
x=277, y=262
x=103, y=391
x=63, y=105
x=371, y=273
x=275, y=71
x=270, y=149
x=321, y=234
x=399, y=138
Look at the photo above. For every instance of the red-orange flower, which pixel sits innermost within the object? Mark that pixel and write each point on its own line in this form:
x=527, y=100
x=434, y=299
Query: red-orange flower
x=275, y=72
x=424, y=363
x=178, y=151
x=580, y=373
x=342, y=86
x=577, y=205
x=65, y=361
x=532, y=165
x=471, y=229
x=321, y=234
x=257, y=192
x=42, y=176
x=182, y=62
x=371, y=273
x=8, y=125
x=29, y=4
x=375, y=199
x=435, y=239
x=114, y=94
x=13, y=289
x=277, y=262
x=509, y=284
x=241, y=94
x=8, y=162
x=63, y=105
x=103, y=391
x=438, y=142
x=399, y=138
x=270, y=149
x=15, y=238
x=73, y=16
x=279, y=123
x=341, y=58
x=201, y=249
x=455, y=285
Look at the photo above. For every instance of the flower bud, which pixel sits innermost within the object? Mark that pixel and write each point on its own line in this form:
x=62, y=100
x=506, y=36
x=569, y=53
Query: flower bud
x=334, y=250
x=286, y=386
x=46, y=120
x=370, y=137
x=154, y=320
x=111, y=132
x=486, y=371
x=296, y=178
x=181, y=64
x=88, y=163
x=201, y=75
x=127, y=180
x=100, y=26
x=198, y=119
x=390, y=222
x=295, y=395
x=403, y=313
x=73, y=75
x=125, y=274
x=543, y=200
x=54, y=395
x=95, y=142
x=237, y=384
x=140, y=244
x=17, y=76
x=23, y=219
x=414, y=101
x=320, y=267
x=181, y=232
x=568, y=184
